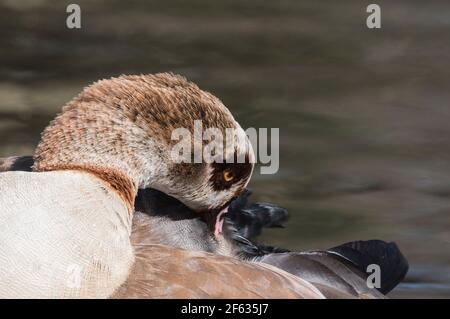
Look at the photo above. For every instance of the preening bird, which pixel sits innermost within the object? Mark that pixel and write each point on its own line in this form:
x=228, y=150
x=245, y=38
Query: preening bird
x=159, y=219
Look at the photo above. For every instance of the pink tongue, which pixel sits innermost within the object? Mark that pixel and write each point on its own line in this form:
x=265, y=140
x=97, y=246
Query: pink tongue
x=219, y=222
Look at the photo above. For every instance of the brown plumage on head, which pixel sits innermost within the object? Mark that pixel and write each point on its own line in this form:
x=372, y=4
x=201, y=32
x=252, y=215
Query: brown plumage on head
x=120, y=129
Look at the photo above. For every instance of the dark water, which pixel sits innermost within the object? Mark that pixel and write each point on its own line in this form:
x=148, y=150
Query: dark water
x=363, y=114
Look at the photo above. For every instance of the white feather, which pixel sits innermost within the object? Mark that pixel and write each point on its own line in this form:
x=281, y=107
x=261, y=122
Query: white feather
x=62, y=234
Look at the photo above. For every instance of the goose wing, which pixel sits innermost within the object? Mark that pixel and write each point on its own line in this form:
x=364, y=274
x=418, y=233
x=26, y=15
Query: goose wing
x=345, y=267
x=16, y=163
x=166, y=272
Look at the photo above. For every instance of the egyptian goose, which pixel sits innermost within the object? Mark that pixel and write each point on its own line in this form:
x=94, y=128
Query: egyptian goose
x=65, y=227
x=339, y=271
x=161, y=271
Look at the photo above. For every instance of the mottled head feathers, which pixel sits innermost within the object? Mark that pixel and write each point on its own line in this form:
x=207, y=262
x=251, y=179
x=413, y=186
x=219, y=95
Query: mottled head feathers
x=120, y=130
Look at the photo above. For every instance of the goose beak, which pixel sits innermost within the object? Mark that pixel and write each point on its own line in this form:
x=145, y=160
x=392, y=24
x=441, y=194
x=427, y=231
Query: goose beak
x=218, y=228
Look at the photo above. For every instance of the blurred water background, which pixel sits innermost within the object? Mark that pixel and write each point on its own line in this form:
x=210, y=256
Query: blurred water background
x=363, y=114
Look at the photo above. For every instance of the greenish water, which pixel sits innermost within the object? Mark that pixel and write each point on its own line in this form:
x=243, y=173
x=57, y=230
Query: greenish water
x=363, y=114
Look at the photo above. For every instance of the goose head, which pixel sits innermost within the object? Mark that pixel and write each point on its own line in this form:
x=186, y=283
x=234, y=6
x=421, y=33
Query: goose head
x=121, y=130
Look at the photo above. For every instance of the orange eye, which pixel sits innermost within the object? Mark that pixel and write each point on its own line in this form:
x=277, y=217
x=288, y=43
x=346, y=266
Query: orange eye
x=228, y=175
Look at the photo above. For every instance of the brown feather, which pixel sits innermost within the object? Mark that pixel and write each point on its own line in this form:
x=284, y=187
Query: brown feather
x=166, y=272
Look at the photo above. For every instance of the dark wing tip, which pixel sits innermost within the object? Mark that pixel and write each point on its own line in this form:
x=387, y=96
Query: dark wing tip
x=250, y=218
x=360, y=254
x=16, y=163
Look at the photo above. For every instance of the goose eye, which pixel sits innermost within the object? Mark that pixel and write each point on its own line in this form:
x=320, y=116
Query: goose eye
x=228, y=175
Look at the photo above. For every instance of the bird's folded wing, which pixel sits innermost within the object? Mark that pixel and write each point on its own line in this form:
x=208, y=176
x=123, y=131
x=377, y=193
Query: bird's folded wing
x=166, y=272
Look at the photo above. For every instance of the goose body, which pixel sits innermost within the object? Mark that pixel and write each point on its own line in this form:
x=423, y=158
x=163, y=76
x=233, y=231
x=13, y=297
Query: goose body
x=58, y=230
x=177, y=256
x=148, y=270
